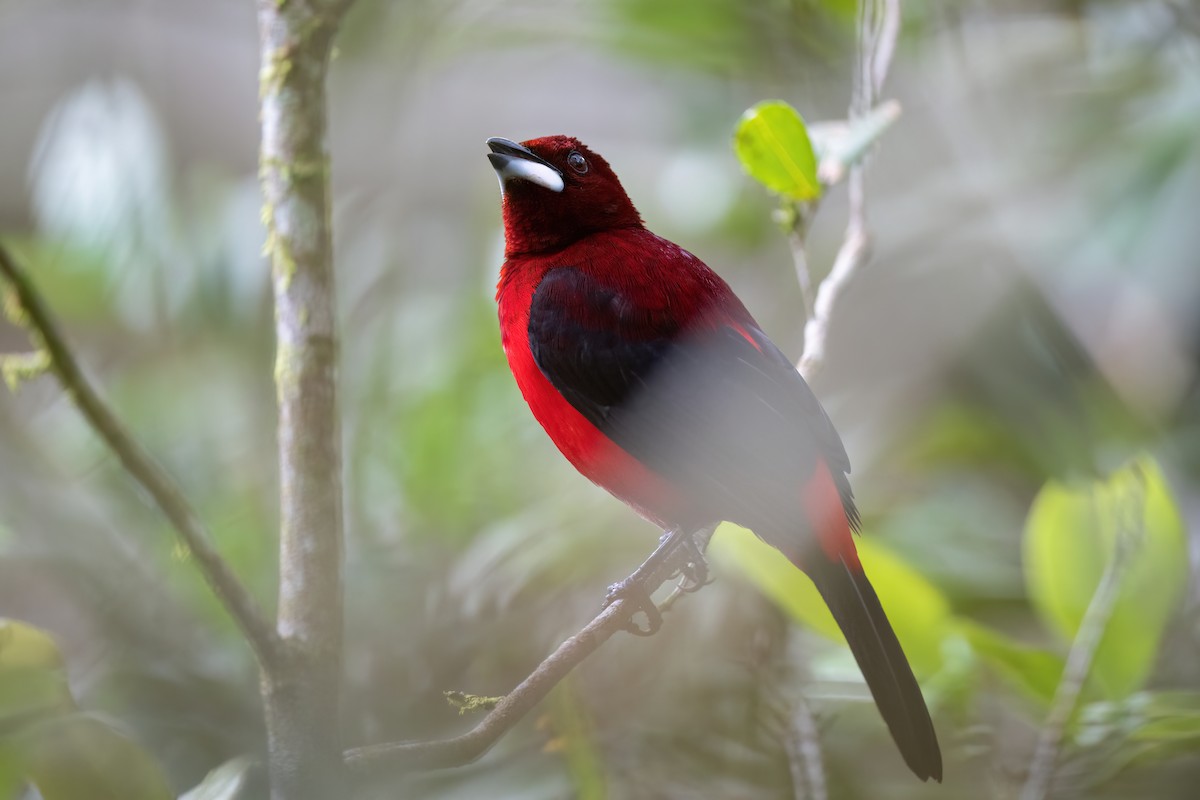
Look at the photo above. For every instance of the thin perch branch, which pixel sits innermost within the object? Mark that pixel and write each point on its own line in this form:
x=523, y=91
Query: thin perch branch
x=166, y=494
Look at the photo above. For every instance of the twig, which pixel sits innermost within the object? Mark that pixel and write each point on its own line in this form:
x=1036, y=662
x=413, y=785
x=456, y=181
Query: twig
x=797, y=237
x=303, y=702
x=166, y=494
x=878, y=30
x=1083, y=649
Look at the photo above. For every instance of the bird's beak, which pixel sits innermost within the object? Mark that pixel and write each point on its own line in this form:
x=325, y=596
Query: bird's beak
x=514, y=162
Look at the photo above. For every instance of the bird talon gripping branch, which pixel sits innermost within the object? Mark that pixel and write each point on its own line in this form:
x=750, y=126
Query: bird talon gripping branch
x=633, y=591
x=656, y=383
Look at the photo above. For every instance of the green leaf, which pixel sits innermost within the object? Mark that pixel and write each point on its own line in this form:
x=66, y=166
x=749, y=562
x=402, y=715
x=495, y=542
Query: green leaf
x=32, y=676
x=1070, y=536
x=223, y=783
x=773, y=146
x=67, y=755
x=76, y=756
x=1035, y=672
x=918, y=611
x=12, y=777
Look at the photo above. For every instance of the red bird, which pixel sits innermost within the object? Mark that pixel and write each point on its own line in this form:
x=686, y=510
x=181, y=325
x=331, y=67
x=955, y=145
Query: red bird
x=653, y=379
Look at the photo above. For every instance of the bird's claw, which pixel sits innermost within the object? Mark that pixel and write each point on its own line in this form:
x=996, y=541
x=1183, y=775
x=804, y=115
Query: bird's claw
x=635, y=593
x=694, y=569
x=678, y=554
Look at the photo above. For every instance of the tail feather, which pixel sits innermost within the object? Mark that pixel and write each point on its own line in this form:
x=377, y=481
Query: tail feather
x=856, y=609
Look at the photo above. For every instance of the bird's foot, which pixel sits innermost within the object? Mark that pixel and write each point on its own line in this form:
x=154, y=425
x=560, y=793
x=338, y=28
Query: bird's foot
x=693, y=566
x=679, y=554
x=633, y=591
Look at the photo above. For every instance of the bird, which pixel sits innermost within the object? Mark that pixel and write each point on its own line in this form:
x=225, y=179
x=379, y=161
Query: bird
x=656, y=383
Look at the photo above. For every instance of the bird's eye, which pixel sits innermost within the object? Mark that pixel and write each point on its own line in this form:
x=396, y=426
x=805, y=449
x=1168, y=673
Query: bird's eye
x=577, y=162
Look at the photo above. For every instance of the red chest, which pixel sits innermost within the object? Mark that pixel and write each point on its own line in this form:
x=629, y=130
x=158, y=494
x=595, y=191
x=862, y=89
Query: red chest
x=589, y=450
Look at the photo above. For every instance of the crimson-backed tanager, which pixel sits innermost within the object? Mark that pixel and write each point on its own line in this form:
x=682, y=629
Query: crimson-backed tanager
x=657, y=384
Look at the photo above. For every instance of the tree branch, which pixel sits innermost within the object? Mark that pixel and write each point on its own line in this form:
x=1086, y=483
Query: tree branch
x=303, y=701
x=878, y=30
x=165, y=493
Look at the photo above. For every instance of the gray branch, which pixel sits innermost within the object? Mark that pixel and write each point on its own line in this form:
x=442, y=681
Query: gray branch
x=303, y=699
x=845, y=153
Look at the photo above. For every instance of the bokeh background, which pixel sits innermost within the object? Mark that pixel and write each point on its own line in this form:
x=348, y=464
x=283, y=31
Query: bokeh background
x=1031, y=313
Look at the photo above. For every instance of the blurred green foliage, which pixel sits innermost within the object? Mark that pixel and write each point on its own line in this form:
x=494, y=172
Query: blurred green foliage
x=44, y=739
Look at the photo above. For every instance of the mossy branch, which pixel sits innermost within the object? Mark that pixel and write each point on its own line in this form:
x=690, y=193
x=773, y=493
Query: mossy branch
x=303, y=702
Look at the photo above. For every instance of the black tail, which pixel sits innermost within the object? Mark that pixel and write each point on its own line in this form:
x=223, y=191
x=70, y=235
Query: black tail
x=856, y=608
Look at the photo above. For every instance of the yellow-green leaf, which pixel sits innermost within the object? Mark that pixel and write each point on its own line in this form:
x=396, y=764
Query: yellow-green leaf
x=76, y=756
x=32, y=677
x=1070, y=536
x=918, y=611
x=772, y=143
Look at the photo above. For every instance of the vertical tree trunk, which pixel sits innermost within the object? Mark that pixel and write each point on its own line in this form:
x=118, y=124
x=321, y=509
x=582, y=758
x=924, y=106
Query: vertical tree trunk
x=301, y=696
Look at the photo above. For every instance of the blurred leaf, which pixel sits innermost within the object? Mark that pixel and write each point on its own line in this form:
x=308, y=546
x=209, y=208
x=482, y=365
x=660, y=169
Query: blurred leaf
x=772, y=144
x=1070, y=536
x=23, y=645
x=223, y=783
x=11, y=776
x=67, y=755
x=71, y=277
x=78, y=756
x=451, y=437
x=840, y=145
x=1036, y=672
x=1180, y=729
x=731, y=36
x=708, y=34
x=32, y=676
x=574, y=741
x=1168, y=717
x=1144, y=728
x=918, y=611
x=966, y=434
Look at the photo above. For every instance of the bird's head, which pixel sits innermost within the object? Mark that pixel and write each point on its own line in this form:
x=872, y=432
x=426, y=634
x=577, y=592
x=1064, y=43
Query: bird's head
x=556, y=191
